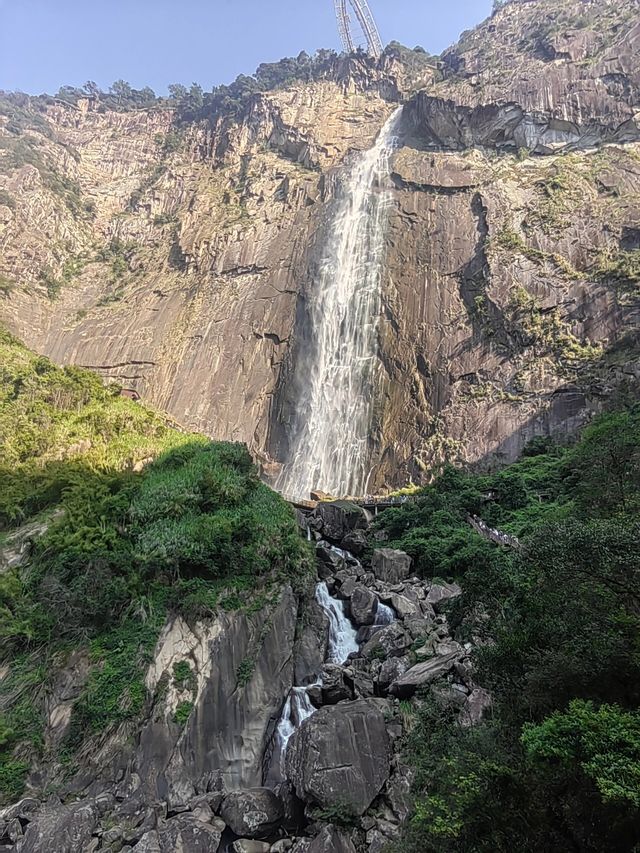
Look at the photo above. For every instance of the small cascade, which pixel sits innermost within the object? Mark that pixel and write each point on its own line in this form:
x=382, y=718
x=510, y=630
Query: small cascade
x=342, y=634
x=298, y=707
x=384, y=615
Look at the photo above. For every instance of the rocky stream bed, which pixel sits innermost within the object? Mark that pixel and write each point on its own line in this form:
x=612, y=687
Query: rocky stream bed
x=300, y=750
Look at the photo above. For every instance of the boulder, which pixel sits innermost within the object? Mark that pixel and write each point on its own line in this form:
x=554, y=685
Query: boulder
x=391, y=641
x=255, y=813
x=186, y=832
x=355, y=542
x=398, y=793
x=476, y=706
x=337, y=684
x=340, y=518
x=248, y=845
x=421, y=674
x=65, y=829
x=330, y=557
x=390, y=565
x=404, y=607
x=282, y=846
x=346, y=589
x=330, y=840
x=440, y=593
x=149, y=843
x=362, y=678
x=340, y=757
x=364, y=605
x=391, y=670
x=311, y=645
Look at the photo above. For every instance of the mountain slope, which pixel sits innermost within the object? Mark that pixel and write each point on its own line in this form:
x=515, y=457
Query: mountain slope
x=176, y=255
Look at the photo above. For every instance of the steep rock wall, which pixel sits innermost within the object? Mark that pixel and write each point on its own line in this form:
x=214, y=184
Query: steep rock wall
x=177, y=260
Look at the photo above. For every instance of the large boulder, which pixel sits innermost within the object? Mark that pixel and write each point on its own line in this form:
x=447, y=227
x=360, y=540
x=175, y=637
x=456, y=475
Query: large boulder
x=186, y=833
x=421, y=674
x=355, y=542
x=441, y=593
x=340, y=518
x=391, y=670
x=390, y=565
x=478, y=703
x=363, y=605
x=256, y=813
x=65, y=829
x=340, y=757
x=405, y=607
x=331, y=841
x=248, y=845
x=391, y=641
x=337, y=684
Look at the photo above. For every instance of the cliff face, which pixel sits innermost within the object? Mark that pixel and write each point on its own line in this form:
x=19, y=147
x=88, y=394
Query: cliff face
x=177, y=259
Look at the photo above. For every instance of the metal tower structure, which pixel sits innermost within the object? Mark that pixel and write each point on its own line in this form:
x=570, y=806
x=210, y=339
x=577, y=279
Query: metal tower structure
x=361, y=32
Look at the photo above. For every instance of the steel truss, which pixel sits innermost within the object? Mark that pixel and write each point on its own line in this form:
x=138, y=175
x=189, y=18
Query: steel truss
x=364, y=16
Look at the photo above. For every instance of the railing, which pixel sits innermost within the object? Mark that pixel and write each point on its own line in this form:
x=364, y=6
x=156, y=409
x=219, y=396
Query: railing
x=366, y=501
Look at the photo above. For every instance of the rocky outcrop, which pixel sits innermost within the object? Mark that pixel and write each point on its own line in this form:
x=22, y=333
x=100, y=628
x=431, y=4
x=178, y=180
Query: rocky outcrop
x=340, y=757
x=255, y=813
x=390, y=565
x=503, y=316
x=538, y=76
x=258, y=765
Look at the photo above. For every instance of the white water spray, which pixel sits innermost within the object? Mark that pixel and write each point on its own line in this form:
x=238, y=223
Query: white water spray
x=342, y=634
x=331, y=449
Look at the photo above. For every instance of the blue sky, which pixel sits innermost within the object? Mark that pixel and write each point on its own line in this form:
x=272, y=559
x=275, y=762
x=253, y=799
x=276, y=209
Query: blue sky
x=47, y=43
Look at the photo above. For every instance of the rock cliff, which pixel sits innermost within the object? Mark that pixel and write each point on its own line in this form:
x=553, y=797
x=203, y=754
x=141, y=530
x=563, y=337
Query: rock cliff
x=176, y=258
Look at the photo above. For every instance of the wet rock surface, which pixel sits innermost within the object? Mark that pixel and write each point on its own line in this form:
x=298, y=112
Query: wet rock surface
x=341, y=756
x=330, y=670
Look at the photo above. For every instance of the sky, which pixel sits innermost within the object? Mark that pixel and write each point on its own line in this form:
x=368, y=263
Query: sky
x=47, y=43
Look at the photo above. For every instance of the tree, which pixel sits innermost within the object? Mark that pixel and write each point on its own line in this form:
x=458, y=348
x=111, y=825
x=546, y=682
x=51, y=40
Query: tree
x=605, y=466
x=92, y=89
x=121, y=90
x=177, y=91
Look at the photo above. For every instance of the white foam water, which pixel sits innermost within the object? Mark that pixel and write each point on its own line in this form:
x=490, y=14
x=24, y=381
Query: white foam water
x=330, y=450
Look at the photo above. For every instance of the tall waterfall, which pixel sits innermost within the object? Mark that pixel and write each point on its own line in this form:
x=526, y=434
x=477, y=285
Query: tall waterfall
x=331, y=448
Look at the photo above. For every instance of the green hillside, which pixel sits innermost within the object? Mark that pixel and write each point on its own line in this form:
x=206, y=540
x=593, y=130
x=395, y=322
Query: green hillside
x=142, y=520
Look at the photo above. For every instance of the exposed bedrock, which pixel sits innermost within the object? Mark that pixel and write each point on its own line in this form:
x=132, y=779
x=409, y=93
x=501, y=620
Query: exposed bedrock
x=515, y=197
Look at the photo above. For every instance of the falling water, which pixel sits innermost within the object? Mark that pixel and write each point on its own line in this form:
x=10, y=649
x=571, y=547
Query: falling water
x=342, y=634
x=384, y=615
x=331, y=449
x=298, y=707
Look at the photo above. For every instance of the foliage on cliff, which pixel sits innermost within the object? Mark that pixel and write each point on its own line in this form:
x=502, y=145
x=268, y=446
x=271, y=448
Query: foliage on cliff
x=557, y=767
x=123, y=547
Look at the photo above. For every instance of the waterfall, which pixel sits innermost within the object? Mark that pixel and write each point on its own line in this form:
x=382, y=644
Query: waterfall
x=330, y=449
x=298, y=707
x=384, y=615
x=342, y=634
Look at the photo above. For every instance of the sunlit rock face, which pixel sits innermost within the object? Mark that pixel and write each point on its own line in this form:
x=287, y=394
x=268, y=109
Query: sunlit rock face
x=503, y=310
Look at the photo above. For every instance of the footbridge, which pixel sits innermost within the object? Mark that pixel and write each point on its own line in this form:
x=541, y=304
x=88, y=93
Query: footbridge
x=372, y=504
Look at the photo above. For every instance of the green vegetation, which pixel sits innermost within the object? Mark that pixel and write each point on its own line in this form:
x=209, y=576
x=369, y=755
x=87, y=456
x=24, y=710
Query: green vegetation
x=245, y=671
x=183, y=712
x=513, y=242
x=124, y=548
x=620, y=268
x=531, y=326
x=557, y=764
